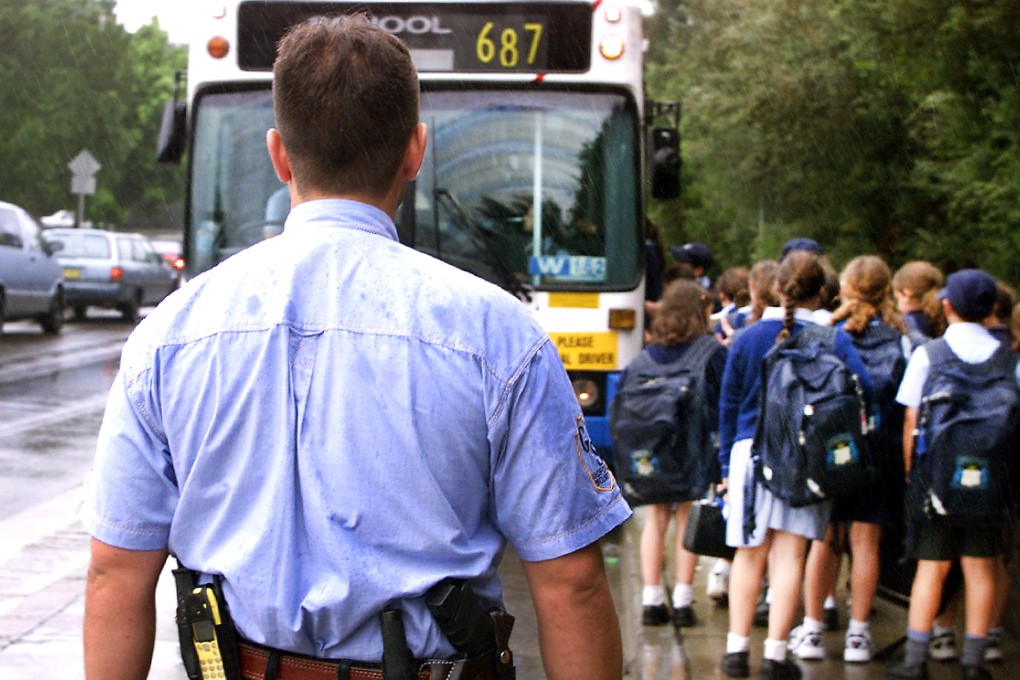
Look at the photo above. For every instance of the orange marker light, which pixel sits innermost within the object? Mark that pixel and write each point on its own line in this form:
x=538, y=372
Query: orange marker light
x=218, y=47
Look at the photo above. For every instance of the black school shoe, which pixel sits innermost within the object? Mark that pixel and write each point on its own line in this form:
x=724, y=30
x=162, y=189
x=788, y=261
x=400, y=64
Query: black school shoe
x=655, y=615
x=735, y=665
x=898, y=670
x=683, y=617
x=779, y=670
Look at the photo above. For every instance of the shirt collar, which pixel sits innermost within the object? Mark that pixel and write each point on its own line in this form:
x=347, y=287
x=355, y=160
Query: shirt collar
x=342, y=212
x=779, y=314
x=966, y=329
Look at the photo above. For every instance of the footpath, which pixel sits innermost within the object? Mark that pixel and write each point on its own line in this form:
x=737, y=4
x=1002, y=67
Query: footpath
x=44, y=556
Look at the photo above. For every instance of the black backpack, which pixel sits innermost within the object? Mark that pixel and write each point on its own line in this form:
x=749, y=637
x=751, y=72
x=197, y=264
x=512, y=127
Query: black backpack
x=664, y=429
x=881, y=350
x=965, y=451
x=809, y=443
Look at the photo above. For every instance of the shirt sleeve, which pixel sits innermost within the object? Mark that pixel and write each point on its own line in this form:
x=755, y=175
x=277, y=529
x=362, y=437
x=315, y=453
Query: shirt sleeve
x=730, y=391
x=552, y=492
x=131, y=491
x=914, y=377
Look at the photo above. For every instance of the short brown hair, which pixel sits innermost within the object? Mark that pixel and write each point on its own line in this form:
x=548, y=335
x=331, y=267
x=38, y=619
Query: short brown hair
x=922, y=280
x=683, y=314
x=345, y=94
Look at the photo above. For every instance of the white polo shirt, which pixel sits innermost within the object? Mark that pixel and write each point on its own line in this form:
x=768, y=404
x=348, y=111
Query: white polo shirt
x=971, y=342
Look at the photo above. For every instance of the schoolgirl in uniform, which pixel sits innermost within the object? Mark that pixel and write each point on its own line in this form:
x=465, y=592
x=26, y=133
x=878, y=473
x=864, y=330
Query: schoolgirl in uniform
x=916, y=285
x=682, y=317
x=867, y=309
x=780, y=528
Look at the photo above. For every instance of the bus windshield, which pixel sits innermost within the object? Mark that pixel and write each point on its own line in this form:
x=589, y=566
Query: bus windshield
x=527, y=189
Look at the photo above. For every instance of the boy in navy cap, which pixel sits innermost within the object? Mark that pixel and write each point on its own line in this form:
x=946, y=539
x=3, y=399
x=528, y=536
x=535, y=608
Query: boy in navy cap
x=801, y=243
x=967, y=299
x=699, y=256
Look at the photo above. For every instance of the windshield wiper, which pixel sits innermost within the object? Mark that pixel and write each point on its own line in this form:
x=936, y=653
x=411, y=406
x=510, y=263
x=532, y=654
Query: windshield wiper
x=445, y=199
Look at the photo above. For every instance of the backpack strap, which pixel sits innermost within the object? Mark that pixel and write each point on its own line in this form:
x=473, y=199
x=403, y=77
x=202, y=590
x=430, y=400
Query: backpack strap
x=700, y=352
x=939, y=353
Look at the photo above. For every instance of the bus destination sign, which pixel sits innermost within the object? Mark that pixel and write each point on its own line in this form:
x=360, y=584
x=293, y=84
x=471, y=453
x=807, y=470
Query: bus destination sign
x=455, y=38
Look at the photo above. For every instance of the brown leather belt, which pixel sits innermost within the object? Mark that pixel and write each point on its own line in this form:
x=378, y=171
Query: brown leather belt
x=255, y=660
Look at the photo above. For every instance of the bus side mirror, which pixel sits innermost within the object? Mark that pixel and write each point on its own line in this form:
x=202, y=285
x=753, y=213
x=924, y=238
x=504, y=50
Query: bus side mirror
x=172, y=132
x=664, y=151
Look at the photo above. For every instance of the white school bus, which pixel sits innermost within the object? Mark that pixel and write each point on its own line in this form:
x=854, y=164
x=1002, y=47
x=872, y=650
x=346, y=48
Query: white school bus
x=535, y=174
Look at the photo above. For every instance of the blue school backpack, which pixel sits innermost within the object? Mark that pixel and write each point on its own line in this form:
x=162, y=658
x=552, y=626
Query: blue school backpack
x=809, y=443
x=881, y=350
x=665, y=438
x=965, y=452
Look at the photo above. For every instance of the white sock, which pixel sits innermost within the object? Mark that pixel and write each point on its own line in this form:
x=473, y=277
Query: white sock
x=768, y=595
x=735, y=643
x=722, y=567
x=683, y=595
x=652, y=596
x=813, y=625
x=830, y=602
x=775, y=650
x=856, y=627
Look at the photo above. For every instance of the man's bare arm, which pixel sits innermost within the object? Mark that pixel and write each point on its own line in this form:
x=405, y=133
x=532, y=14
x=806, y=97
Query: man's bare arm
x=578, y=629
x=120, y=611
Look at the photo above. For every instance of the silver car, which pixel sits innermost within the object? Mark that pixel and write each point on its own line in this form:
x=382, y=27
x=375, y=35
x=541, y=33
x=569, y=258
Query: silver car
x=31, y=286
x=111, y=269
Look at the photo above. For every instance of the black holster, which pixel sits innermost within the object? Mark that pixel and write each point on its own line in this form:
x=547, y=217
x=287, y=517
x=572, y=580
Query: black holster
x=197, y=620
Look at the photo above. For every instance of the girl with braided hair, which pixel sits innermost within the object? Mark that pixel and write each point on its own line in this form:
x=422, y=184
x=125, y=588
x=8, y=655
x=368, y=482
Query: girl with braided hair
x=781, y=528
x=868, y=313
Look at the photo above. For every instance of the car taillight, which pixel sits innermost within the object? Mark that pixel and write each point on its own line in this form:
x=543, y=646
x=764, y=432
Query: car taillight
x=178, y=263
x=116, y=274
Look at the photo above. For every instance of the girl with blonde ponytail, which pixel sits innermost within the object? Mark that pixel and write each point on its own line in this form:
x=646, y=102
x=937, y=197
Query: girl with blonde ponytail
x=867, y=312
x=781, y=528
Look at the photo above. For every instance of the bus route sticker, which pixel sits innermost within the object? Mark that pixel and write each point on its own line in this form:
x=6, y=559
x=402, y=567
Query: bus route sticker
x=596, y=469
x=577, y=268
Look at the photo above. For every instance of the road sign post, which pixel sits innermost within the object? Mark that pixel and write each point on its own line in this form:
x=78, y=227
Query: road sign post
x=83, y=169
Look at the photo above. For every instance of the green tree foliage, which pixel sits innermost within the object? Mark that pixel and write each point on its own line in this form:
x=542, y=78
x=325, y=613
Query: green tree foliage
x=888, y=128
x=74, y=79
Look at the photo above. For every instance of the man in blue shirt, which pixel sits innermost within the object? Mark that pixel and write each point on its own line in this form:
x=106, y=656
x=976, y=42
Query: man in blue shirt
x=331, y=423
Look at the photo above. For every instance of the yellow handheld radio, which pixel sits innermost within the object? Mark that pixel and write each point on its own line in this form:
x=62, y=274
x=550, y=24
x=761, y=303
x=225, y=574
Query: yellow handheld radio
x=206, y=632
x=203, y=634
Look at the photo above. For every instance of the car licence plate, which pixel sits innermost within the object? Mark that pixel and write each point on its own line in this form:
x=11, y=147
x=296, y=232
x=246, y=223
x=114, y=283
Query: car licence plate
x=72, y=274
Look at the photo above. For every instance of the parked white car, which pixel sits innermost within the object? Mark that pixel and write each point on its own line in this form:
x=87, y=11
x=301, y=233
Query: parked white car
x=31, y=282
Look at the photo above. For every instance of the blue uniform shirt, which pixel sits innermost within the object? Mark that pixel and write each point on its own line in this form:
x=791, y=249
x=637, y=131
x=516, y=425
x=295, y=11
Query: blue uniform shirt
x=332, y=421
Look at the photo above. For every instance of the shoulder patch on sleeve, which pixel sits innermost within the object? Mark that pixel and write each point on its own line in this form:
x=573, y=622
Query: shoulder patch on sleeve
x=596, y=469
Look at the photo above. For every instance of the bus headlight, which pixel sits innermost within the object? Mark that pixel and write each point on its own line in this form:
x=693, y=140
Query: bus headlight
x=611, y=46
x=588, y=391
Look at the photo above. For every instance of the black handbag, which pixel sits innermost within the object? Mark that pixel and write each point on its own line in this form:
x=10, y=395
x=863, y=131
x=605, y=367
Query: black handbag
x=706, y=530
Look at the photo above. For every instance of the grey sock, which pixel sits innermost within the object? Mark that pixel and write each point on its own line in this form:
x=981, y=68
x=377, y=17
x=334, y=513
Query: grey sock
x=974, y=651
x=915, y=652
